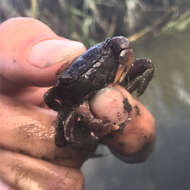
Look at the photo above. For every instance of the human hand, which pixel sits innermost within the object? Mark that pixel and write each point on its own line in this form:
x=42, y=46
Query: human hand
x=30, y=54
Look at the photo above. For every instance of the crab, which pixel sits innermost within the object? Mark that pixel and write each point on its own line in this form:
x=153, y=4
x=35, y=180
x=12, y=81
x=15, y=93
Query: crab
x=109, y=62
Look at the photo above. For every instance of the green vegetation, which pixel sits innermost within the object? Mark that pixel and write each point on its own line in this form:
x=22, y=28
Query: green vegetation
x=91, y=21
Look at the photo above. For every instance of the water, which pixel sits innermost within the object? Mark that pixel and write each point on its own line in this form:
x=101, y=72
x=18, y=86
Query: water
x=168, y=100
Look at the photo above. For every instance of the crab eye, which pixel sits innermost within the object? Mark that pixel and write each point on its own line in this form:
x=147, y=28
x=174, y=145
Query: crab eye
x=119, y=43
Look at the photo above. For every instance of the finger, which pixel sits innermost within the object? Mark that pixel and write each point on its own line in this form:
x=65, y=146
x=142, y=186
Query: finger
x=5, y=186
x=31, y=53
x=134, y=143
x=30, y=130
x=23, y=172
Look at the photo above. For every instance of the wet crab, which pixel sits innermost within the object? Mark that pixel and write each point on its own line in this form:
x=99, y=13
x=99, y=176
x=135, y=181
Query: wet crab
x=111, y=61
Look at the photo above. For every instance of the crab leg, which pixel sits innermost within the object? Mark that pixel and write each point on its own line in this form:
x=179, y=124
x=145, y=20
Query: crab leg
x=50, y=100
x=139, y=76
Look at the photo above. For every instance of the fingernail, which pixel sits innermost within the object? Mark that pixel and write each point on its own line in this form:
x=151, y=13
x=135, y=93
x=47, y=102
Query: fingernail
x=49, y=52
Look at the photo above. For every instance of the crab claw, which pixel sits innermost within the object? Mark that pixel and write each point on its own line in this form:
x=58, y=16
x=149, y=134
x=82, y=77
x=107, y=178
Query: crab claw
x=121, y=47
x=126, y=59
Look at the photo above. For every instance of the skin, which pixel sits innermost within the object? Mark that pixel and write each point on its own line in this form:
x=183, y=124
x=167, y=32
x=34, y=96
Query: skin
x=29, y=158
x=137, y=139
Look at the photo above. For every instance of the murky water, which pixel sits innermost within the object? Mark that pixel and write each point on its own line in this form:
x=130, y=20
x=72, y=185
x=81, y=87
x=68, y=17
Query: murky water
x=168, y=98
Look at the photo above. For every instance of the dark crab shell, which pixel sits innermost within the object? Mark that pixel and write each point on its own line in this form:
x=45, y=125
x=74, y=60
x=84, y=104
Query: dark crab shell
x=90, y=72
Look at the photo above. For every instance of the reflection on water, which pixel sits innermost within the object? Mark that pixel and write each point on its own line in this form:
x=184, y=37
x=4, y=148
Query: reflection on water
x=169, y=92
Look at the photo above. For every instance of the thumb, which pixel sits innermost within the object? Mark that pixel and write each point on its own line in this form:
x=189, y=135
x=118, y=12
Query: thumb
x=31, y=53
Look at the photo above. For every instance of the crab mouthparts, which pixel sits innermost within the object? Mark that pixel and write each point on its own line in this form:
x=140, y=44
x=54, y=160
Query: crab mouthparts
x=124, y=66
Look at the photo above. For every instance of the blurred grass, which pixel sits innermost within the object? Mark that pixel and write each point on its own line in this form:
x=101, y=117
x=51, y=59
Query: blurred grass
x=34, y=8
x=91, y=21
